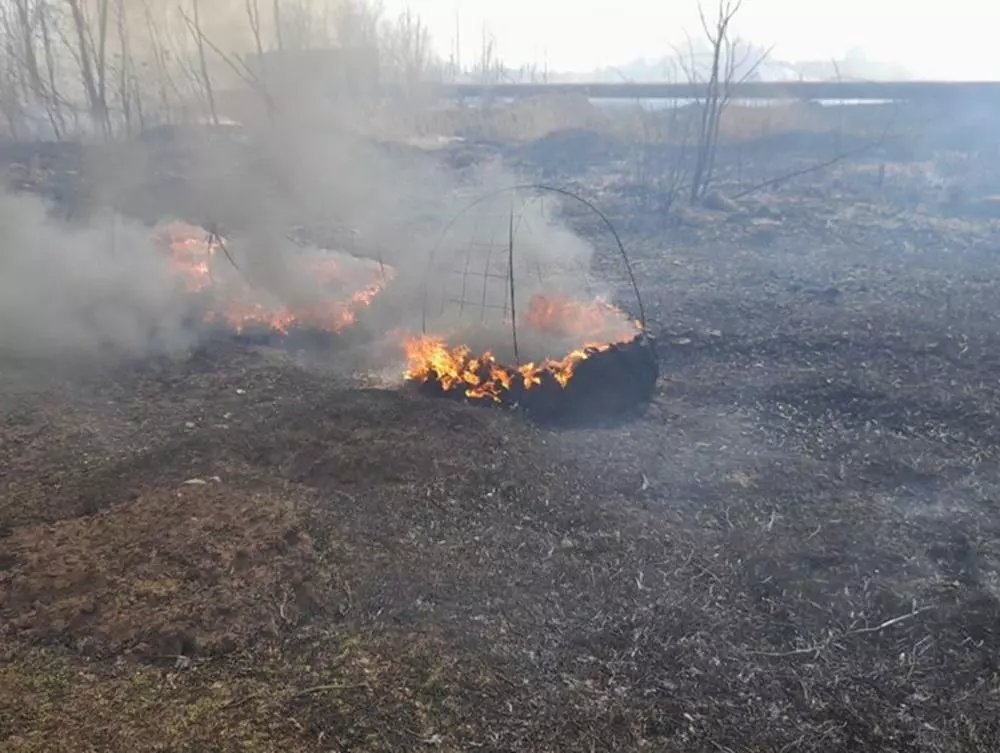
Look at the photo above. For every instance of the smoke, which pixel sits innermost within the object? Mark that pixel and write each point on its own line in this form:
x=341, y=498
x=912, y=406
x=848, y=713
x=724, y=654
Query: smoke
x=313, y=160
x=89, y=291
x=106, y=288
x=446, y=233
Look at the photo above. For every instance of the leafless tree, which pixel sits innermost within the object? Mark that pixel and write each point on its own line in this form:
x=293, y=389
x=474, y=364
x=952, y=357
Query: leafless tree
x=731, y=63
x=490, y=69
x=54, y=99
x=119, y=64
x=406, y=51
x=26, y=41
x=100, y=50
x=194, y=26
x=165, y=83
x=129, y=95
x=92, y=59
x=253, y=18
x=25, y=18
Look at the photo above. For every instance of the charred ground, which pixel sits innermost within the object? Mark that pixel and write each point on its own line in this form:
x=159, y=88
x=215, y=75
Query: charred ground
x=795, y=549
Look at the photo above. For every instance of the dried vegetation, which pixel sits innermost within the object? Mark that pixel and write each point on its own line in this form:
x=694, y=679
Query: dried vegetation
x=794, y=550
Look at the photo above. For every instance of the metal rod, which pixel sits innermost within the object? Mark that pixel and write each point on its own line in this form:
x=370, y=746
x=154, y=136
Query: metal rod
x=209, y=243
x=486, y=283
x=510, y=274
x=465, y=277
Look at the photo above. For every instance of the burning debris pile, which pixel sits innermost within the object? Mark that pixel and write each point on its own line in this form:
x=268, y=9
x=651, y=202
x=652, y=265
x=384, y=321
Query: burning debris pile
x=226, y=300
x=609, y=367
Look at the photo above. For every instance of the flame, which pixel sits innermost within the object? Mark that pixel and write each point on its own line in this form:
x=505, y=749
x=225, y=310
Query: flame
x=431, y=359
x=332, y=316
x=191, y=257
x=560, y=315
x=190, y=254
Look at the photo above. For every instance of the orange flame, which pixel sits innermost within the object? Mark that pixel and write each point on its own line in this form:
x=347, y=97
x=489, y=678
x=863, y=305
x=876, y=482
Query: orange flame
x=561, y=315
x=191, y=256
x=480, y=377
x=430, y=359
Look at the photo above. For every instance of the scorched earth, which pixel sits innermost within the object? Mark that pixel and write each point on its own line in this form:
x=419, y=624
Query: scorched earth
x=795, y=548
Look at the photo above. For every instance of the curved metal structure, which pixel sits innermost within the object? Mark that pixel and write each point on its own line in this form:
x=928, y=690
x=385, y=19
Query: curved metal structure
x=513, y=230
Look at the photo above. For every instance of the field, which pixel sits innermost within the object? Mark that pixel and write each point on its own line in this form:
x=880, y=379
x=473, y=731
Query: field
x=796, y=548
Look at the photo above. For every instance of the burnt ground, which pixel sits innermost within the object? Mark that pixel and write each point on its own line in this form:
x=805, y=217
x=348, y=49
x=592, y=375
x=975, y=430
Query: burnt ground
x=797, y=548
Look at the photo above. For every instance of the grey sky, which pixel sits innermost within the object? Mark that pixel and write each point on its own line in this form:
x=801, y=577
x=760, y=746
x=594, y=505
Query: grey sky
x=954, y=39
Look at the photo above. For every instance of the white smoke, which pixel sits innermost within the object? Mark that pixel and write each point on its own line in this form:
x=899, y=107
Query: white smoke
x=82, y=291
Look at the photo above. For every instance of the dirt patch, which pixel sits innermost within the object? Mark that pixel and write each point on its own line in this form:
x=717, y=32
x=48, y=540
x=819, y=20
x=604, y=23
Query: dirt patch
x=199, y=569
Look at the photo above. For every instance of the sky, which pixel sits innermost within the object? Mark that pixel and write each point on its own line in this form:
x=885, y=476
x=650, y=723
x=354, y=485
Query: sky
x=952, y=39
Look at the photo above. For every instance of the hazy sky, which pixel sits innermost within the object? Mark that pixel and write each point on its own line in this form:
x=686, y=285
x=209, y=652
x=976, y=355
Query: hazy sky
x=932, y=38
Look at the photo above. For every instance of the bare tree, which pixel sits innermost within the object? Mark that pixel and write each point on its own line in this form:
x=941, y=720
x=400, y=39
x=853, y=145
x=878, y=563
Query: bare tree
x=490, y=69
x=407, y=51
x=253, y=17
x=194, y=25
x=164, y=73
x=91, y=58
x=55, y=103
x=118, y=63
x=10, y=86
x=25, y=41
x=731, y=63
x=25, y=17
x=237, y=63
x=129, y=92
x=101, y=56
x=301, y=26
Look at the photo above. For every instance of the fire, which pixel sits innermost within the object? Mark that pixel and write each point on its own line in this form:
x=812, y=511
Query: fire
x=563, y=316
x=333, y=316
x=190, y=254
x=480, y=377
x=431, y=359
x=191, y=258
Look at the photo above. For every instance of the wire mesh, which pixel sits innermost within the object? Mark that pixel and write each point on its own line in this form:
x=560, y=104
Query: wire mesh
x=494, y=250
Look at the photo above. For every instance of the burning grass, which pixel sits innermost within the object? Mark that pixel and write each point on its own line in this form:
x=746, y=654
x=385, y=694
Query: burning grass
x=233, y=303
x=606, y=353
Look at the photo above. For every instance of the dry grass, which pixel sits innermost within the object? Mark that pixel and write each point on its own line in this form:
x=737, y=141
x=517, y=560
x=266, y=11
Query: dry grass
x=167, y=572
x=534, y=118
x=795, y=549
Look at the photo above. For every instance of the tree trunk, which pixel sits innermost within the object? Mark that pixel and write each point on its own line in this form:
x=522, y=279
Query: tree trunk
x=203, y=64
x=86, y=68
x=27, y=38
x=54, y=100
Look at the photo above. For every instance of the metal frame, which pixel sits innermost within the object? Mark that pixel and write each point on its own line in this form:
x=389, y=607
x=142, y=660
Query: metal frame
x=510, y=299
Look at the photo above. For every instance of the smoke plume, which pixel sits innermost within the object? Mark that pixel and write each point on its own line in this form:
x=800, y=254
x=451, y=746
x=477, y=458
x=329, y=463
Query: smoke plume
x=82, y=291
x=105, y=288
